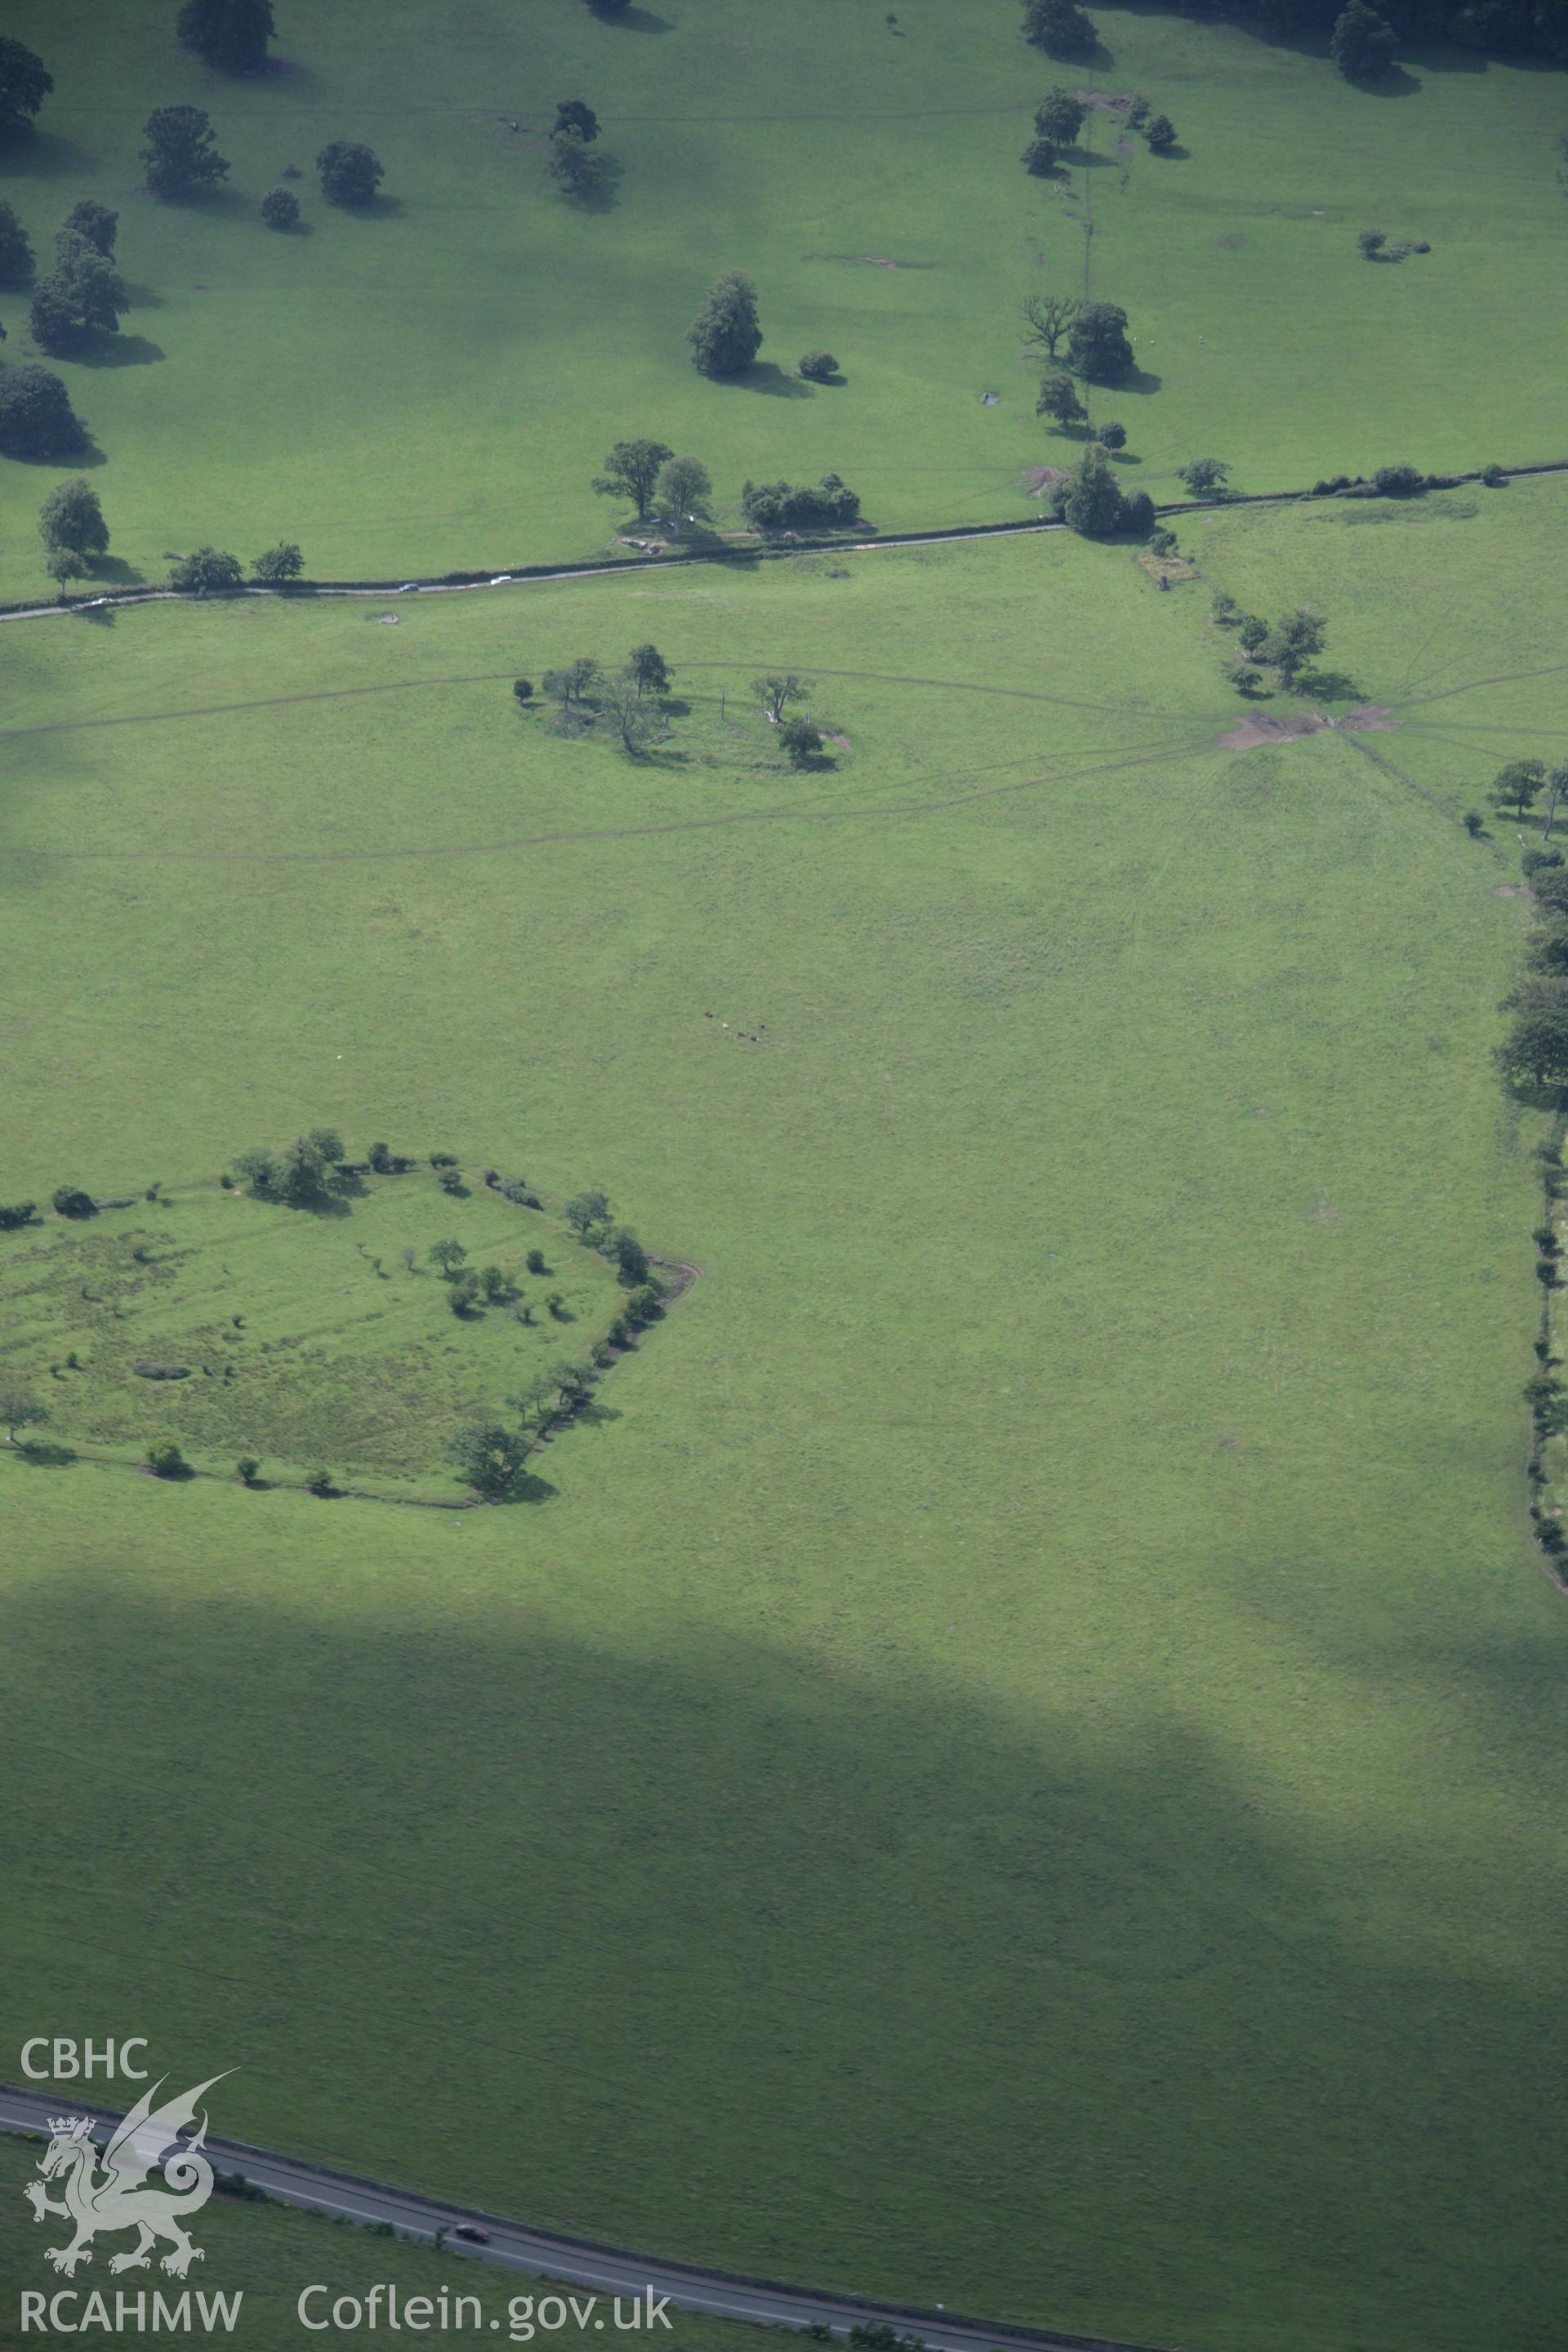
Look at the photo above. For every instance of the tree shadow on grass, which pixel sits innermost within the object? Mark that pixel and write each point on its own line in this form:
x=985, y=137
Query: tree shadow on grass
x=114, y=570
x=46, y=1454
x=633, y=19
x=982, y=1908
x=1394, y=83
x=119, y=351
x=44, y=156
x=767, y=375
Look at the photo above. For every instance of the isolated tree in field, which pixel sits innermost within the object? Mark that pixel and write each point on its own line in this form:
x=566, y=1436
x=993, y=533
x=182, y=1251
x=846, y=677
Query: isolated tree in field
x=20, y=1409
x=638, y=724
x=583, y=1211
x=230, y=34
x=726, y=335
x=777, y=690
x=1060, y=116
x=817, y=367
x=73, y=518
x=82, y=294
x=1098, y=345
x=571, y=114
x=1160, y=134
x=280, y=208
x=523, y=689
x=648, y=669
x=25, y=83
x=247, y=1469
x=350, y=171
x=1060, y=400
x=16, y=251
x=684, y=492
x=94, y=222
x=463, y=1291
x=1371, y=242
x=164, y=1459
x=1297, y=639
x=257, y=1169
x=448, y=1255
x=1047, y=318
x=180, y=156
x=573, y=163
x=632, y=471
x=61, y=565
x=1246, y=679
x=37, y=419
x=1039, y=157
x=1203, y=476
x=489, y=1455
x=276, y=566
x=1362, y=43
x=1252, y=631
x=800, y=739
x=1111, y=435
x=1059, y=27
x=208, y=571
x=1520, y=785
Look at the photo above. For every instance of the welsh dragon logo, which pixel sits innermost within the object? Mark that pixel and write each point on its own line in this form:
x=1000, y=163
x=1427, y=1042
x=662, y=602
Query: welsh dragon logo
x=120, y=2196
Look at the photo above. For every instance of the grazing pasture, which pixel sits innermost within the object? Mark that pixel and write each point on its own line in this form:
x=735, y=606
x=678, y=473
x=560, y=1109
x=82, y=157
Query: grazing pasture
x=1023, y=1767
x=432, y=382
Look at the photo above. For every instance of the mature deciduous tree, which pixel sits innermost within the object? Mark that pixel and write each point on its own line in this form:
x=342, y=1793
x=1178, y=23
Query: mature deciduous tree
x=573, y=163
x=96, y=223
x=1060, y=116
x=1098, y=345
x=1039, y=157
x=817, y=367
x=280, y=208
x=83, y=295
x=278, y=565
x=1362, y=43
x=800, y=739
x=180, y=156
x=1297, y=639
x=648, y=669
x=15, y=249
x=637, y=723
x=1060, y=400
x=1520, y=785
x=632, y=471
x=25, y=83
x=1059, y=27
x=685, y=490
x=350, y=171
x=71, y=518
x=19, y=1408
x=230, y=34
x=1092, y=503
x=208, y=571
x=777, y=690
x=726, y=335
x=1047, y=318
x=571, y=114
x=490, y=1457
x=1160, y=134
x=1203, y=476
x=37, y=419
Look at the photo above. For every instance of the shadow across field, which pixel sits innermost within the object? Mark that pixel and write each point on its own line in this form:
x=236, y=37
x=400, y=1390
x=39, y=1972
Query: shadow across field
x=699, y=1875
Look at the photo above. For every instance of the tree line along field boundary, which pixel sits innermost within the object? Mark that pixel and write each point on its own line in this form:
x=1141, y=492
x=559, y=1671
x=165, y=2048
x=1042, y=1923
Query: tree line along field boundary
x=522, y=574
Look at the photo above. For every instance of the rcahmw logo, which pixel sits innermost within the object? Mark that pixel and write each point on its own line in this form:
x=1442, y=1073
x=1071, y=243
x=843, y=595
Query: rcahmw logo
x=101, y=2193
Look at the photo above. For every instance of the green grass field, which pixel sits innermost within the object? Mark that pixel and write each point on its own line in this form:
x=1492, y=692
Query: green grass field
x=305, y=1337
x=1024, y=1765
x=270, y=2253
x=436, y=385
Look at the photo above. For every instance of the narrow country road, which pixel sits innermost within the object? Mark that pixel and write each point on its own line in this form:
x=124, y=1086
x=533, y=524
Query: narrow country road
x=543, y=2252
